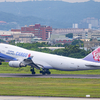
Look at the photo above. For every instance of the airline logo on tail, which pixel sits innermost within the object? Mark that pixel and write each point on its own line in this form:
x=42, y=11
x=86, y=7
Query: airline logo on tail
x=96, y=54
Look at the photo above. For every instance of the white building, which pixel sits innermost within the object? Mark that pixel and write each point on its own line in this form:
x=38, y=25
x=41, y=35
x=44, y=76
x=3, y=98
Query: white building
x=17, y=36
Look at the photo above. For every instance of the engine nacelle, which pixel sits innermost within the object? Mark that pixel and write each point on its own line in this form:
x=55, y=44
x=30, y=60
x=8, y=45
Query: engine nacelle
x=16, y=64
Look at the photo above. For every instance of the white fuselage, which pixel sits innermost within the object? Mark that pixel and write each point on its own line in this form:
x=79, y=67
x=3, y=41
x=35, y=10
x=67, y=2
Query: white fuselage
x=64, y=63
x=11, y=53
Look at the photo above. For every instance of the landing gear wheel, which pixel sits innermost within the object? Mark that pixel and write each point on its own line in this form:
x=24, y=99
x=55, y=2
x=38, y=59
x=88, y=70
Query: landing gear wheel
x=41, y=71
x=48, y=73
x=0, y=63
x=33, y=72
x=45, y=71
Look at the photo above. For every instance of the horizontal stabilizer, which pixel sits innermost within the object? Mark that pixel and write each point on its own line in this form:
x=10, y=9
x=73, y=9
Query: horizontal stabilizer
x=92, y=65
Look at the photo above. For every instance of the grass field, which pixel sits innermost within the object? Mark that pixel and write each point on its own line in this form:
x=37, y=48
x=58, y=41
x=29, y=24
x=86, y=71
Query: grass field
x=50, y=87
x=60, y=87
x=4, y=68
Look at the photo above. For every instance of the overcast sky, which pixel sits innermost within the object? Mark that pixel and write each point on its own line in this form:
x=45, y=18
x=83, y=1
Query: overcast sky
x=72, y=1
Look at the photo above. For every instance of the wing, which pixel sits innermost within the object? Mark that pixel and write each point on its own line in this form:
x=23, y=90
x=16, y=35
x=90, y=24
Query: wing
x=43, y=64
x=36, y=63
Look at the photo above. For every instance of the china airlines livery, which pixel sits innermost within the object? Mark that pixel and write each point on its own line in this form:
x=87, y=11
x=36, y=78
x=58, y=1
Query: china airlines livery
x=19, y=57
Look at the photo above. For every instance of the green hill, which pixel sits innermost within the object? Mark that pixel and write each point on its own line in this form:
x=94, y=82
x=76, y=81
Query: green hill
x=57, y=14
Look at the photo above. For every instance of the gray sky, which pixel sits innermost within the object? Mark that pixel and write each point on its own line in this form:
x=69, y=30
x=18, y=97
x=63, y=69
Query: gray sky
x=72, y=1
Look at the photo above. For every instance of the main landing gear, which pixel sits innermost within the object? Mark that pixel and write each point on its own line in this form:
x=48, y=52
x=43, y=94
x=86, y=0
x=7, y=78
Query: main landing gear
x=44, y=71
x=0, y=63
x=32, y=70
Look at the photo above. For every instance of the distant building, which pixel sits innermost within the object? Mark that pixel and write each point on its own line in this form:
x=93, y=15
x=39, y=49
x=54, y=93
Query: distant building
x=66, y=31
x=90, y=45
x=63, y=41
x=6, y=37
x=90, y=26
x=94, y=34
x=23, y=38
x=39, y=31
x=59, y=38
x=17, y=36
x=75, y=25
x=87, y=34
x=91, y=23
x=15, y=30
x=83, y=25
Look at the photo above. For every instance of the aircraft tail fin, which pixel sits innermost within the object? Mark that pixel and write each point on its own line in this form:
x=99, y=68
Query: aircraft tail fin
x=93, y=56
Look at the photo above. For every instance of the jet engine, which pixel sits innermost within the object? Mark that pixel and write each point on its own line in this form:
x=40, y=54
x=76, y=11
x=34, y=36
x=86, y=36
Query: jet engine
x=16, y=64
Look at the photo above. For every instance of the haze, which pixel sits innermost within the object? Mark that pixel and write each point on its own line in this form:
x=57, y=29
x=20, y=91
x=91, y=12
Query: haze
x=72, y=1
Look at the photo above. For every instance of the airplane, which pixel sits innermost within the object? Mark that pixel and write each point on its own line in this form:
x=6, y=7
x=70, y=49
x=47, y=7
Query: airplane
x=20, y=57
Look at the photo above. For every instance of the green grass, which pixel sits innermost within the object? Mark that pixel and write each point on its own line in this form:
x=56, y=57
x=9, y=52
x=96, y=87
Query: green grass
x=4, y=68
x=56, y=87
x=50, y=87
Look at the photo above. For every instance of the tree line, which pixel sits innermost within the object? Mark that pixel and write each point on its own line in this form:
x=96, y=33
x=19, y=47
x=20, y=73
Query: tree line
x=69, y=50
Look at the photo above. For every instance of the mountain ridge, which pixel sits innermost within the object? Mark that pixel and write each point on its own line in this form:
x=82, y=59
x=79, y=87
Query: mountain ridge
x=57, y=14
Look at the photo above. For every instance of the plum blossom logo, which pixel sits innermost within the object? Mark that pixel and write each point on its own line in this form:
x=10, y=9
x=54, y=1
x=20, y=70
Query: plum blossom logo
x=96, y=54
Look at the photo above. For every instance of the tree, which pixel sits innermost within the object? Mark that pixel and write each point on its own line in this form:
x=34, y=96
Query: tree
x=69, y=50
x=12, y=42
x=77, y=42
x=70, y=35
x=2, y=41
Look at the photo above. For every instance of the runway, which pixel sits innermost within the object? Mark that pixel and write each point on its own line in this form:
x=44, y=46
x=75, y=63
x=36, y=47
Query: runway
x=42, y=98
x=52, y=76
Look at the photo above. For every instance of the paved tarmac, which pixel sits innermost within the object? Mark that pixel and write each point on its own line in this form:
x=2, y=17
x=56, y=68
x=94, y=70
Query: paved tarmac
x=42, y=98
x=52, y=76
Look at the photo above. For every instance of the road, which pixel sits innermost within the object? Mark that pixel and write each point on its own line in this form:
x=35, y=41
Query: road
x=52, y=76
